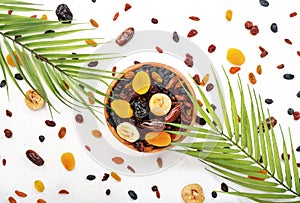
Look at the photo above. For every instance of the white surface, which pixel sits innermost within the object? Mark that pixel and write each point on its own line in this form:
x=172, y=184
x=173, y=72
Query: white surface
x=26, y=125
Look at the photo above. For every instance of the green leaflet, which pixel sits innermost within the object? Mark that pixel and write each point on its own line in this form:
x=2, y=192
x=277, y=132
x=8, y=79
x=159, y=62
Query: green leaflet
x=263, y=196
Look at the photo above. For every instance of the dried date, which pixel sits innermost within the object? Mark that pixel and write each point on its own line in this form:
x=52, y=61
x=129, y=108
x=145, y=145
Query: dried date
x=125, y=36
x=173, y=114
x=153, y=125
x=34, y=157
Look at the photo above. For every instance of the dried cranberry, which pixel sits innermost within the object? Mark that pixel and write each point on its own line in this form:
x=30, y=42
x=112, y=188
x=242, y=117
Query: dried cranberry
x=154, y=20
x=211, y=48
x=254, y=30
x=248, y=25
x=8, y=133
x=192, y=33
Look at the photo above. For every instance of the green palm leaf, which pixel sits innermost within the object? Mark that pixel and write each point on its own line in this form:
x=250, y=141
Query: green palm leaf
x=48, y=65
x=236, y=155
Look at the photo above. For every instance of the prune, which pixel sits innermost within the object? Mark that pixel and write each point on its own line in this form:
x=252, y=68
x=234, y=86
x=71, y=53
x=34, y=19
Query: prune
x=64, y=13
x=141, y=108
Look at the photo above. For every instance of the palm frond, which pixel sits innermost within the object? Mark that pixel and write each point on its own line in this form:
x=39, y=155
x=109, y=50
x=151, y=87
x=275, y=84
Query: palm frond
x=245, y=152
x=41, y=51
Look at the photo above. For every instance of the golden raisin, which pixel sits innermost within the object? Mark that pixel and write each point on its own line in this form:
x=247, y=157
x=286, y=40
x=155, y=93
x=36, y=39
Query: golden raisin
x=252, y=78
x=39, y=186
x=10, y=60
x=259, y=69
x=96, y=133
x=228, y=15
x=94, y=23
x=115, y=176
x=68, y=161
x=44, y=17
x=235, y=56
x=41, y=201
x=91, y=42
x=91, y=99
x=20, y=194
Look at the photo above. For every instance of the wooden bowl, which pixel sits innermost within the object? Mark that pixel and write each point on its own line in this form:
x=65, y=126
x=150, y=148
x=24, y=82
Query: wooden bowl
x=134, y=68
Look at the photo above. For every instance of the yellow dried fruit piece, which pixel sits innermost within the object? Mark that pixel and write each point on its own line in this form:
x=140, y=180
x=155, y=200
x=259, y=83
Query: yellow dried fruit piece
x=39, y=186
x=158, y=139
x=10, y=60
x=115, y=176
x=33, y=100
x=68, y=161
x=122, y=108
x=228, y=15
x=141, y=82
x=192, y=193
x=44, y=17
x=96, y=133
x=160, y=104
x=235, y=56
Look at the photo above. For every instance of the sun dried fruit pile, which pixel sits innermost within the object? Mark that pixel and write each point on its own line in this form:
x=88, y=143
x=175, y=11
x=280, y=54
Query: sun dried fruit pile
x=146, y=97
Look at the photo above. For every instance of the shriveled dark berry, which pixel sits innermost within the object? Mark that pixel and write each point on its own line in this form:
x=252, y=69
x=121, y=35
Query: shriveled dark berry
x=248, y=25
x=8, y=113
x=18, y=76
x=200, y=120
x=274, y=27
x=105, y=177
x=290, y=111
x=224, y=187
x=214, y=194
x=50, y=123
x=49, y=31
x=8, y=133
x=288, y=76
x=63, y=13
x=154, y=188
x=91, y=177
x=254, y=30
x=107, y=192
x=268, y=101
x=175, y=37
x=264, y=3
x=94, y=1
x=298, y=149
x=141, y=108
x=93, y=64
x=3, y=83
x=298, y=94
x=154, y=21
x=132, y=195
x=79, y=118
x=288, y=156
x=41, y=138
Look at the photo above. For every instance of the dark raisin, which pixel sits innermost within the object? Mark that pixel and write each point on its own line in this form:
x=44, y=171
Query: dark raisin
x=91, y=177
x=298, y=149
x=298, y=94
x=141, y=108
x=132, y=195
x=8, y=113
x=93, y=64
x=200, y=120
x=290, y=111
x=105, y=177
x=254, y=30
x=280, y=66
x=224, y=187
x=94, y=1
x=81, y=86
x=157, y=194
x=214, y=194
x=79, y=118
x=63, y=13
x=42, y=138
x=175, y=37
x=154, y=21
x=18, y=76
x=264, y=3
x=3, y=83
x=209, y=87
x=288, y=76
x=268, y=101
x=34, y=157
x=274, y=27
x=107, y=192
x=154, y=188
x=49, y=31
x=288, y=156
x=8, y=133
x=211, y=48
x=50, y=123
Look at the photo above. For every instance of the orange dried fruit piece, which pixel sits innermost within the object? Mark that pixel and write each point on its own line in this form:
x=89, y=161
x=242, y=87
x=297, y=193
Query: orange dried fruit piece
x=256, y=178
x=122, y=108
x=252, y=78
x=20, y=194
x=234, y=70
x=44, y=17
x=235, y=56
x=141, y=82
x=96, y=133
x=115, y=176
x=39, y=186
x=158, y=139
x=91, y=42
x=228, y=15
x=41, y=201
x=10, y=60
x=68, y=161
x=94, y=23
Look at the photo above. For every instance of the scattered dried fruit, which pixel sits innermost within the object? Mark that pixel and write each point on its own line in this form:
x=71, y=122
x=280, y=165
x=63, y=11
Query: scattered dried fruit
x=288, y=156
x=192, y=33
x=211, y=48
x=159, y=139
x=252, y=78
x=141, y=82
x=33, y=100
x=79, y=118
x=63, y=192
x=274, y=27
x=194, y=18
x=127, y=7
x=228, y=15
x=192, y=193
x=96, y=133
x=68, y=161
x=293, y=14
x=94, y=23
x=159, y=162
x=234, y=70
x=159, y=50
x=254, y=30
x=12, y=200
x=224, y=187
x=41, y=201
x=288, y=41
x=107, y=192
x=288, y=76
x=8, y=133
x=44, y=17
x=116, y=16
x=235, y=56
x=259, y=70
x=4, y=162
x=50, y=123
x=20, y=194
x=296, y=115
x=118, y=160
x=175, y=37
x=248, y=25
x=39, y=186
x=205, y=79
x=115, y=176
x=264, y=3
x=34, y=157
x=197, y=79
x=105, y=177
x=125, y=36
x=132, y=195
x=10, y=61
x=91, y=177
x=154, y=20
x=62, y=132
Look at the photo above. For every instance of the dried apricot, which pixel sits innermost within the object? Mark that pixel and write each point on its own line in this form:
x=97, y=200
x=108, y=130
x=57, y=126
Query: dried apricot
x=122, y=108
x=141, y=82
x=228, y=15
x=234, y=70
x=10, y=60
x=68, y=161
x=39, y=186
x=159, y=139
x=235, y=56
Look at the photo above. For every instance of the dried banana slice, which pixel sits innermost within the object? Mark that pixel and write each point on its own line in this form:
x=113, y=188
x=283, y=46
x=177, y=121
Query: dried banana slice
x=33, y=100
x=128, y=132
x=192, y=193
x=160, y=104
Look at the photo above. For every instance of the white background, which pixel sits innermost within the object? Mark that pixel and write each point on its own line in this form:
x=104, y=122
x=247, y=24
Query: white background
x=213, y=28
